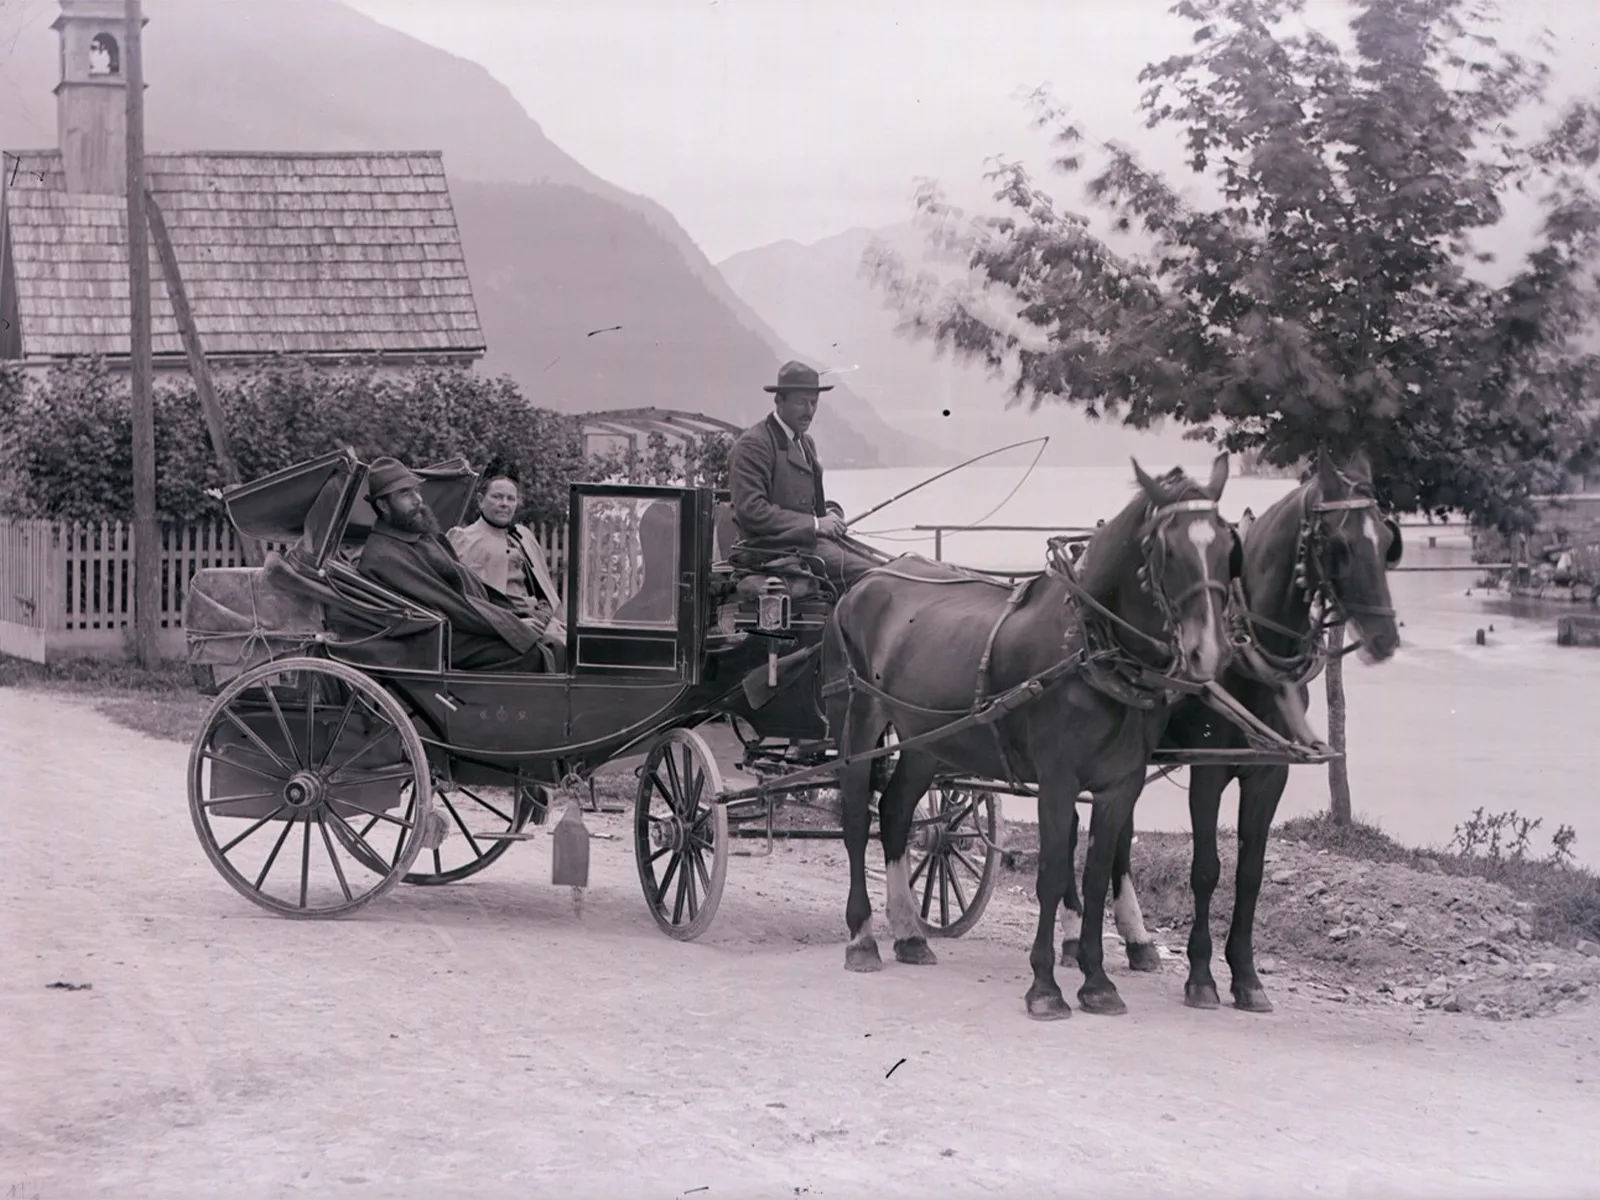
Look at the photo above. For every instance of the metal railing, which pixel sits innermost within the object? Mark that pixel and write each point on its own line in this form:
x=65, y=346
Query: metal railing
x=939, y=531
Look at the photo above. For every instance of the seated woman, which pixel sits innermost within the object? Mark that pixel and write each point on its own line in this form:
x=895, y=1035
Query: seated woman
x=507, y=557
x=657, y=597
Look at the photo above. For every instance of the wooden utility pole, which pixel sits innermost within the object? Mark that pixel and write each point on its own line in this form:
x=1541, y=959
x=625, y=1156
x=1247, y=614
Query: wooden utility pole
x=146, y=536
x=210, y=408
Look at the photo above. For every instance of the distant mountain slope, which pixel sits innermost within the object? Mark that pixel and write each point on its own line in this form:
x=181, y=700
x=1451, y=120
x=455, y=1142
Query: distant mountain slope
x=816, y=298
x=549, y=243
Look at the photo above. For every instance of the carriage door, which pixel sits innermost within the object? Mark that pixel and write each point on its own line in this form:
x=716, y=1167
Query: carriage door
x=638, y=569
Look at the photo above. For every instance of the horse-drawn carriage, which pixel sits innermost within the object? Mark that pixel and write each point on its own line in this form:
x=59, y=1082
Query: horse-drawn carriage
x=338, y=715
x=336, y=704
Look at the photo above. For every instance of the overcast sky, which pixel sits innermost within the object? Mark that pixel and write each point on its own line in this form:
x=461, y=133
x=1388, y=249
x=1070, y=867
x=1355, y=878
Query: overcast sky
x=759, y=120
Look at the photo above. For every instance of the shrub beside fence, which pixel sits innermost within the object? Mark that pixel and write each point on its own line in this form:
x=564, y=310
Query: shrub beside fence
x=66, y=588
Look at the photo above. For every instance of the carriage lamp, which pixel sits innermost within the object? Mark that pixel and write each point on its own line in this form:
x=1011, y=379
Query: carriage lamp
x=772, y=606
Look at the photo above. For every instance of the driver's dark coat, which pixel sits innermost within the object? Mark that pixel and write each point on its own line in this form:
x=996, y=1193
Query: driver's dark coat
x=425, y=568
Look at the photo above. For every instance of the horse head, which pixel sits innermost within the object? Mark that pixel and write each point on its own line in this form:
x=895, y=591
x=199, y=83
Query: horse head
x=1350, y=547
x=1167, y=561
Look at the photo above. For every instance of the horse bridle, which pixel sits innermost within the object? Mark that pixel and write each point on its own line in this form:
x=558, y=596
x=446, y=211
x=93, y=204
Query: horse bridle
x=1152, y=546
x=1311, y=576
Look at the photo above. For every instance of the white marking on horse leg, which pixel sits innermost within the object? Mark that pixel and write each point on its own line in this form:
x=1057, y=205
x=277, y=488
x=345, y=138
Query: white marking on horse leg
x=864, y=937
x=1071, y=925
x=1130, y=921
x=1201, y=534
x=901, y=906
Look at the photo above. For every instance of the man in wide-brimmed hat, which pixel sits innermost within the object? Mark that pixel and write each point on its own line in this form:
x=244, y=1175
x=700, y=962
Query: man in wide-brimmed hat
x=776, y=480
x=407, y=553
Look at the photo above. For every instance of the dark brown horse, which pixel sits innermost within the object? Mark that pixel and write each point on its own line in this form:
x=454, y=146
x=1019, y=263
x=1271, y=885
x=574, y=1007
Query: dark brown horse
x=1325, y=546
x=915, y=648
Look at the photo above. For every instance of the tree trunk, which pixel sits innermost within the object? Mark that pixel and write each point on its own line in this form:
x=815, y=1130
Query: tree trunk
x=1338, y=770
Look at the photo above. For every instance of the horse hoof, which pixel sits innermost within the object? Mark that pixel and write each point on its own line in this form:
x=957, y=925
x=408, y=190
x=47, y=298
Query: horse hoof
x=1143, y=956
x=1069, y=953
x=915, y=952
x=1048, y=1006
x=1251, y=999
x=1201, y=995
x=1103, y=1003
x=862, y=956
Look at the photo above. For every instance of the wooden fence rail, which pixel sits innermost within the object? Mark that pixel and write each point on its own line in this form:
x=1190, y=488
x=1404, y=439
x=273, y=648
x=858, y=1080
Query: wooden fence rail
x=67, y=587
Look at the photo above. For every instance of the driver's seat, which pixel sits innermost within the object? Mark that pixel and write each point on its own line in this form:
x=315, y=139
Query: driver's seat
x=749, y=567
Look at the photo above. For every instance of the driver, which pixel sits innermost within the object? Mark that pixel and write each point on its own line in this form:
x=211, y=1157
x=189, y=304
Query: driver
x=407, y=553
x=776, y=481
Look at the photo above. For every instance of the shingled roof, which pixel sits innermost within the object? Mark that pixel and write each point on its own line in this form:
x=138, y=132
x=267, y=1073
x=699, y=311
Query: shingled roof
x=314, y=254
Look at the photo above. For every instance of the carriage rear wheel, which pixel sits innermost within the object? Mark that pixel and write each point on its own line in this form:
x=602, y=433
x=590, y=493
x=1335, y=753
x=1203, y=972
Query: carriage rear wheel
x=954, y=859
x=314, y=748
x=680, y=834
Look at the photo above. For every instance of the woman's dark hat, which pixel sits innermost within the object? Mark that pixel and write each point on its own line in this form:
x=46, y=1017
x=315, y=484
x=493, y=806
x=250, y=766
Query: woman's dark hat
x=795, y=376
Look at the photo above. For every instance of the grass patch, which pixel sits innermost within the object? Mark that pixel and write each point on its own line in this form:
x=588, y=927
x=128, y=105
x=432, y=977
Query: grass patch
x=1565, y=895
x=161, y=702
x=94, y=675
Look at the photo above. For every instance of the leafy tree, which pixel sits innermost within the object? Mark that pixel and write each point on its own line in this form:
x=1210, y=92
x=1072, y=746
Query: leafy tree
x=1326, y=294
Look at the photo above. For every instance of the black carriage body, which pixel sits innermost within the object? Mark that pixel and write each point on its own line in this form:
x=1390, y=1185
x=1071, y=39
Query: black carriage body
x=638, y=664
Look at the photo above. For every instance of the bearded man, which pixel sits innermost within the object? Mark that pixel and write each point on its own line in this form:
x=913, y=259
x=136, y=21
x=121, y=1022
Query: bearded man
x=407, y=553
x=505, y=554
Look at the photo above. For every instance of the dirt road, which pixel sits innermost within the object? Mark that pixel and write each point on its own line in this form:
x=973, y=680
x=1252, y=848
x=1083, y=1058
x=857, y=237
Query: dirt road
x=482, y=1040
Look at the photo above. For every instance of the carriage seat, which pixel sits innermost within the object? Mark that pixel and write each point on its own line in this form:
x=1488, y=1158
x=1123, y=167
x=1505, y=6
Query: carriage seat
x=744, y=571
x=369, y=625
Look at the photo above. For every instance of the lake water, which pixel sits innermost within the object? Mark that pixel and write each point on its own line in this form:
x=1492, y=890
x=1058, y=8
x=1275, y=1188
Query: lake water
x=1442, y=728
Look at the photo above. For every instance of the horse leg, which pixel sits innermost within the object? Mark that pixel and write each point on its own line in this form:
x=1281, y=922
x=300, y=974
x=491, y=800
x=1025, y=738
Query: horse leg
x=855, y=793
x=1071, y=903
x=896, y=809
x=1113, y=809
x=1206, y=785
x=1057, y=815
x=1258, y=804
x=1143, y=954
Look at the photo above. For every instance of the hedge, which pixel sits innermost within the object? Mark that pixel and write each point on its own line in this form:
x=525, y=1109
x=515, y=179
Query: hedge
x=65, y=439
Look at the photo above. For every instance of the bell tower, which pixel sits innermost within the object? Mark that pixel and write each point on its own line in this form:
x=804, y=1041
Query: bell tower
x=92, y=98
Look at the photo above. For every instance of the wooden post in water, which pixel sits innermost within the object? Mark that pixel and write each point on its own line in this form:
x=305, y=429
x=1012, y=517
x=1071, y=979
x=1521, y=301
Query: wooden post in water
x=146, y=535
x=210, y=408
x=1338, y=769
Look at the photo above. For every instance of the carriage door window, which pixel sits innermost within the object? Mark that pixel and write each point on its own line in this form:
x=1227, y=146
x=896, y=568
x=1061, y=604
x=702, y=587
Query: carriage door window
x=628, y=572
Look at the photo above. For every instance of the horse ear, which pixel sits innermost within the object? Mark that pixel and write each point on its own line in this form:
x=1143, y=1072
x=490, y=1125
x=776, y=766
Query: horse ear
x=1152, y=489
x=1219, y=476
x=1236, y=555
x=1360, y=465
x=1327, y=475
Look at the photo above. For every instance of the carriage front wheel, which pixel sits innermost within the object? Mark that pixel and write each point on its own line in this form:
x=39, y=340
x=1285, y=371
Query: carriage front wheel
x=954, y=856
x=680, y=834
x=309, y=788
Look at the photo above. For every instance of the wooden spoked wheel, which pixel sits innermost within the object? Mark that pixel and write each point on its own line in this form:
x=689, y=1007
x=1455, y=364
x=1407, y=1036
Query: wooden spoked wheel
x=470, y=814
x=954, y=863
x=680, y=834
x=310, y=788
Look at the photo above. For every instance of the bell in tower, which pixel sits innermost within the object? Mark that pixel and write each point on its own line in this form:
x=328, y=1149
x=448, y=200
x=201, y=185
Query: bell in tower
x=92, y=99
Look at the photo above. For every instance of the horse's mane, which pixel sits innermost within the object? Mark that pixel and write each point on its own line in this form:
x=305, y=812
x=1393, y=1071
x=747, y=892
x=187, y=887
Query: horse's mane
x=1102, y=559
